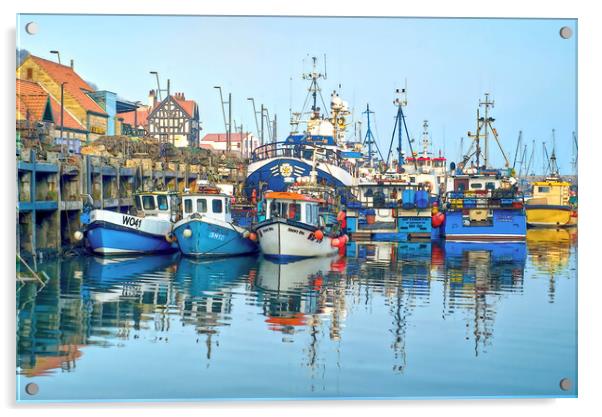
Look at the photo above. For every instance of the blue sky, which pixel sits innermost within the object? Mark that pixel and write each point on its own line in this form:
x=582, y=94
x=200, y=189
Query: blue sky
x=449, y=64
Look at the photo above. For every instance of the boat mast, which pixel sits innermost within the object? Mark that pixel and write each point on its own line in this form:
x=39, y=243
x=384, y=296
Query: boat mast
x=425, y=138
x=553, y=163
x=369, y=139
x=400, y=123
x=487, y=122
x=313, y=92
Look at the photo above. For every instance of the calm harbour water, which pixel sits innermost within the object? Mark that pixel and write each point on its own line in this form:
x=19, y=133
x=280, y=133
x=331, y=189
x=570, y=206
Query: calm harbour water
x=388, y=320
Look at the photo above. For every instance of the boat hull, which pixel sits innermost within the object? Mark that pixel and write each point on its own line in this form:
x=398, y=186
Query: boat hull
x=286, y=240
x=507, y=225
x=107, y=239
x=212, y=238
x=276, y=174
x=548, y=216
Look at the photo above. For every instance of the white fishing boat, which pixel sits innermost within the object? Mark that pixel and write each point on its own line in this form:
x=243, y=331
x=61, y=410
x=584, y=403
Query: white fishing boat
x=294, y=229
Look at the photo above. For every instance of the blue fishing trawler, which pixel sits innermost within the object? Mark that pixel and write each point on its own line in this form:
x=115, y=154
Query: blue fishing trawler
x=274, y=166
x=482, y=203
x=206, y=228
x=145, y=231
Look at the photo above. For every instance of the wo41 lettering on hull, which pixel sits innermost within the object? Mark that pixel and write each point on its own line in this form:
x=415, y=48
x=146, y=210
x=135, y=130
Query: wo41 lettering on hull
x=131, y=221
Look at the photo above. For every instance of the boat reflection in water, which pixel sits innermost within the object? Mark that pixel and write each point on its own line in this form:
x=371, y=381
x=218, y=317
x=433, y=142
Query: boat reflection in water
x=294, y=294
x=412, y=318
x=550, y=251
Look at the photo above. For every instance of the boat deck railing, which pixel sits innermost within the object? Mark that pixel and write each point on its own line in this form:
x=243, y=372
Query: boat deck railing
x=301, y=151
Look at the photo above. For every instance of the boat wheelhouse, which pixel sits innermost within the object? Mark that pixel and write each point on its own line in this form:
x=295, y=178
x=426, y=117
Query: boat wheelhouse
x=111, y=233
x=206, y=228
x=550, y=204
x=393, y=207
x=295, y=227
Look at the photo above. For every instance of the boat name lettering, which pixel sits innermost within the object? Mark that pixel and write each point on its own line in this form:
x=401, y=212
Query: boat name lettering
x=299, y=232
x=217, y=236
x=132, y=221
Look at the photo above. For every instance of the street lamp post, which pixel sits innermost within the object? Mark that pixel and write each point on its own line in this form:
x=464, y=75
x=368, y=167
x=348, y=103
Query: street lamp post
x=228, y=123
x=137, y=103
x=62, y=115
x=252, y=100
x=156, y=74
x=58, y=54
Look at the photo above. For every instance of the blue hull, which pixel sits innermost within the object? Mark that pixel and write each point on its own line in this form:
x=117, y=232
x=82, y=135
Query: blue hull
x=269, y=174
x=105, y=272
x=212, y=240
x=104, y=239
x=506, y=225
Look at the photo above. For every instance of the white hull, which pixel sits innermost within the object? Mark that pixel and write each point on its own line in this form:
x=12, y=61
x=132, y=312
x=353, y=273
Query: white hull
x=279, y=239
x=152, y=225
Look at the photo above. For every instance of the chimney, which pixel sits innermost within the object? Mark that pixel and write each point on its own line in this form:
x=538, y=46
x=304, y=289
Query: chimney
x=71, y=64
x=152, y=99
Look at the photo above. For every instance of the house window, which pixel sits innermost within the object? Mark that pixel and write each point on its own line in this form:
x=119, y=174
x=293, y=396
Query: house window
x=30, y=73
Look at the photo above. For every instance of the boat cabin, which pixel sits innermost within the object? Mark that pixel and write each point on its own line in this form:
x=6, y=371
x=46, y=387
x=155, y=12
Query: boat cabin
x=162, y=204
x=215, y=206
x=293, y=206
x=478, y=183
x=551, y=192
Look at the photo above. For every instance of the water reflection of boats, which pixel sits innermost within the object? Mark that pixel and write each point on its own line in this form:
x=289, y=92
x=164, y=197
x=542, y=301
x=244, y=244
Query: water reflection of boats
x=478, y=275
x=205, y=277
x=286, y=290
x=550, y=253
x=110, y=270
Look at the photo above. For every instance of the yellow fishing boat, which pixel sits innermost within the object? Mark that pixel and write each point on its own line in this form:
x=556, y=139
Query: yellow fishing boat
x=550, y=205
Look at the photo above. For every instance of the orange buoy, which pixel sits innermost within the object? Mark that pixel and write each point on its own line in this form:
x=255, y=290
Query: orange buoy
x=335, y=243
x=253, y=236
x=437, y=219
x=319, y=234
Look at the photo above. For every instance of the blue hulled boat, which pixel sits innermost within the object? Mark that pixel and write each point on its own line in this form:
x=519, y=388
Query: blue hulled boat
x=482, y=203
x=487, y=207
x=207, y=229
x=111, y=233
x=276, y=165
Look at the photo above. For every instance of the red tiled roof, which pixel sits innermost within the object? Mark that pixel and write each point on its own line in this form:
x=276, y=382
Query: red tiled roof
x=32, y=99
x=221, y=137
x=187, y=105
x=75, y=85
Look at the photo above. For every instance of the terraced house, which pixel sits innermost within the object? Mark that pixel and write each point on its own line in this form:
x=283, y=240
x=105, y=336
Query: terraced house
x=93, y=111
